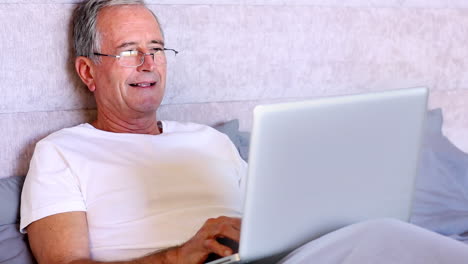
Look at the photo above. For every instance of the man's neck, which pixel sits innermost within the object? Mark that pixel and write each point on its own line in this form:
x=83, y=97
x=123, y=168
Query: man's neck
x=147, y=124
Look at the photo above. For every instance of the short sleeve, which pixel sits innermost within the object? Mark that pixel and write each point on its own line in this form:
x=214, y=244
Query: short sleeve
x=50, y=187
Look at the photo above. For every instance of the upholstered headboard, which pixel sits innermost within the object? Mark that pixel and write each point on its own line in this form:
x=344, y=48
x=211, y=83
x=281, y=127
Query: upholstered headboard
x=235, y=54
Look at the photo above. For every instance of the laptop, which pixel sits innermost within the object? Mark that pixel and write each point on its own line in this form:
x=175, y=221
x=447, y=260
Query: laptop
x=316, y=166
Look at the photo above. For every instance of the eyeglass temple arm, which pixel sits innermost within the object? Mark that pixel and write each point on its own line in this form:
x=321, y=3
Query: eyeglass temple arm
x=175, y=51
x=100, y=54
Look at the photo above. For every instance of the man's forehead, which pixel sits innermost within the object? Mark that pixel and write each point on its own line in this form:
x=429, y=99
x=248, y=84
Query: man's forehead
x=128, y=25
x=125, y=15
x=116, y=10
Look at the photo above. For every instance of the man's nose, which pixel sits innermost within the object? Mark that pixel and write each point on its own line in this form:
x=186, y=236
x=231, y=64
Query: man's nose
x=148, y=63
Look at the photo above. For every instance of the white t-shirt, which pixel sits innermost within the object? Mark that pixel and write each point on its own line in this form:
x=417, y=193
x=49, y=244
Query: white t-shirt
x=141, y=193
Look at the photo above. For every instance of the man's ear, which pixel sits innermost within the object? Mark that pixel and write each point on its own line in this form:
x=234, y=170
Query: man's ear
x=85, y=69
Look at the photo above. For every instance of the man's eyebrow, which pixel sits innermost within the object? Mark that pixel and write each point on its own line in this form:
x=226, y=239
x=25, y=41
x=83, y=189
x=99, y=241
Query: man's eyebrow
x=157, y=42
x=126, y=44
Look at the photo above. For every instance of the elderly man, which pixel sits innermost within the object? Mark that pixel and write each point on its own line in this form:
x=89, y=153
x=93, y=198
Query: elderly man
x=128, y=186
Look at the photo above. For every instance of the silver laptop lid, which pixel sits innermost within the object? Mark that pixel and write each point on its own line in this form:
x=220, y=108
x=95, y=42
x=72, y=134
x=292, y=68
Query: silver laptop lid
x=319, y=165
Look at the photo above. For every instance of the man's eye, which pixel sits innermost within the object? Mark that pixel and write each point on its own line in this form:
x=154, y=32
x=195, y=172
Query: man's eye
x=156, y=49
x=129, y=53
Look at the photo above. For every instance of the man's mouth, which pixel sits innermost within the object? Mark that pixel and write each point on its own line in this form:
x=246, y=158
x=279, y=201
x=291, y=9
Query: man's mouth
x=143, y=84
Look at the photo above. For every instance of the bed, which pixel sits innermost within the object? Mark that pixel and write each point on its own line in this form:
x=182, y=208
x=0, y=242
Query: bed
x=211, y=84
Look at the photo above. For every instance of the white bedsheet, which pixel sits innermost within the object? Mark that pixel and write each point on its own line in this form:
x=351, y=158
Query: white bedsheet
x=381, y=241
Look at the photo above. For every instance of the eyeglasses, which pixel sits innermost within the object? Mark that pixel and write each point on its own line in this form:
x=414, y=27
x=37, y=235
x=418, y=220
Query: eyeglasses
x=135, y=58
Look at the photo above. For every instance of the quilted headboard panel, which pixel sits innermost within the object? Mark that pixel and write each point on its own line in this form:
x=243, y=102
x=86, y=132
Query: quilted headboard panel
x=235, y=54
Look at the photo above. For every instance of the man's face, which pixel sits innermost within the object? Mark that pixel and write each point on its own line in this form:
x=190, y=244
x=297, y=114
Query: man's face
x=128, y=92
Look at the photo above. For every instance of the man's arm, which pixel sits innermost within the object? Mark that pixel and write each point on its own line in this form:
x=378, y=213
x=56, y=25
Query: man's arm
x=63, y=239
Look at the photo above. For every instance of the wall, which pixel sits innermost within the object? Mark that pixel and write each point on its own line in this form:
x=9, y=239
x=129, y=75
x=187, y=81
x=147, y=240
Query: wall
x=235, y=54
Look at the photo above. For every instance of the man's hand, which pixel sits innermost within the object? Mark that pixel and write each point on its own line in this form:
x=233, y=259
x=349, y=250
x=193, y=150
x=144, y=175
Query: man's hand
x=197, y=249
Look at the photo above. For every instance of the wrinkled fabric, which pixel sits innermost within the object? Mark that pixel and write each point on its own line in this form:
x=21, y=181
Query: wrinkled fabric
x=382, y=241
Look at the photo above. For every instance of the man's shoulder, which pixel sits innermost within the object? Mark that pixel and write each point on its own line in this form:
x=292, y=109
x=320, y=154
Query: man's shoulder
x=67, y=134
x=176, y=126
x=184, y=129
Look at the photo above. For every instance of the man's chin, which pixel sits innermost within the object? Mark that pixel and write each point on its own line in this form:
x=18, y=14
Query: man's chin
x=145, y=100
x=147, y=107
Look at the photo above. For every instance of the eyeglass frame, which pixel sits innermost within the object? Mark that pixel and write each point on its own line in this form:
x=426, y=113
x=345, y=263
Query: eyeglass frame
x=139, y=52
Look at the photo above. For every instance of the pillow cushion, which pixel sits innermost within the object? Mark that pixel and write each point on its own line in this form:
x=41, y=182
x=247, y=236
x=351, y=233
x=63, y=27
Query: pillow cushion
x=10, y=189
x=13, y=245
x=240, y=139
x=441, y=194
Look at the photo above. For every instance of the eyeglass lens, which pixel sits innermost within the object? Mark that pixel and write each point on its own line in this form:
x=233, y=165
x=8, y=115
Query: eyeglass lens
x=138, y=58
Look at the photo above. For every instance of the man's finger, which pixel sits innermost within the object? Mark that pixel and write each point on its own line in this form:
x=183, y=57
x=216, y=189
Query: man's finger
x=219, y=249
x=230, y=232
x=236, y=223
x=223, y=227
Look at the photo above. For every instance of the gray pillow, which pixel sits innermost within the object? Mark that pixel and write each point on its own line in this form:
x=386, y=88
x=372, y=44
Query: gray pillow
x=240, y=139
x=10, y=192
x=13, y=246
x=441, y=196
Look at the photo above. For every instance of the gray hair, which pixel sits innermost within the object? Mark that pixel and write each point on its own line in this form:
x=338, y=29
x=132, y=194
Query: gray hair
x=86, y=37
